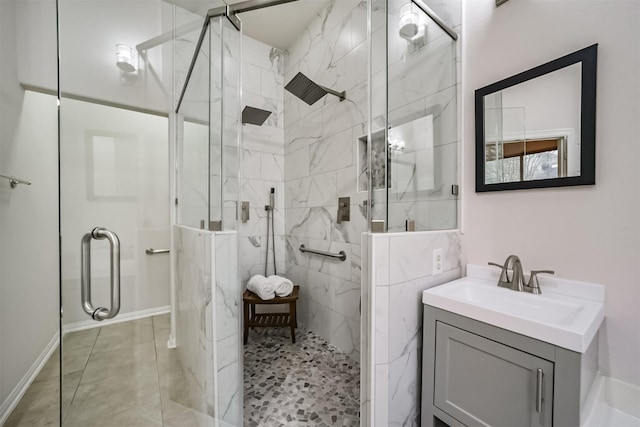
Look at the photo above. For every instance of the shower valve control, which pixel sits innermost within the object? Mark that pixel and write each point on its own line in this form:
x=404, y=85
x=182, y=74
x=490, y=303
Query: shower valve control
x=344, y=205
x=244, y=208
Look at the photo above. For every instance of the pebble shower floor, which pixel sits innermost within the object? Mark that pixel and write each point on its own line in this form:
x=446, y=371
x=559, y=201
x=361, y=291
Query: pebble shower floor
x=310, y=383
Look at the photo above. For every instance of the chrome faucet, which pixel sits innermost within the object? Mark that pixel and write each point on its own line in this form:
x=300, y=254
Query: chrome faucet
x=516, y=281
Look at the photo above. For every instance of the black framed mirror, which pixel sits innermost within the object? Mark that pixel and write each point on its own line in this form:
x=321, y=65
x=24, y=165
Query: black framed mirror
x=537, y=128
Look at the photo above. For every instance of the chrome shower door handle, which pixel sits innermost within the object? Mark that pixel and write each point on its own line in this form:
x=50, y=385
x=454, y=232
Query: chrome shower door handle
x=100, y=313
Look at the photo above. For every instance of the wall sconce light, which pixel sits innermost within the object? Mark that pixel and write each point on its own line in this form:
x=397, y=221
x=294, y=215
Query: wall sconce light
x=126, y=58
x=409, y=22
x=396, y=144
x=412, y=26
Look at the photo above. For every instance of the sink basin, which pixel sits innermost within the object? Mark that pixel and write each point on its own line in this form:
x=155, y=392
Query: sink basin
x=567, y=313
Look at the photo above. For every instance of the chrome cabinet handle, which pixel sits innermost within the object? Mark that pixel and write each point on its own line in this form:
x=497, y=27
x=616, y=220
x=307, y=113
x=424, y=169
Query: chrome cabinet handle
x=100, y=313
x=540, y=376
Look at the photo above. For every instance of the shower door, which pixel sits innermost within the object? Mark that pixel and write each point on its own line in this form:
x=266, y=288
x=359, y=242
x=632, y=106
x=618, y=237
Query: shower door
x=113, y=147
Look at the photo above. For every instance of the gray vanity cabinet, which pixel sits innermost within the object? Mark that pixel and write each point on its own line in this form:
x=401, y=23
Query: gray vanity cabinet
x=482, y=382
x=475, y=374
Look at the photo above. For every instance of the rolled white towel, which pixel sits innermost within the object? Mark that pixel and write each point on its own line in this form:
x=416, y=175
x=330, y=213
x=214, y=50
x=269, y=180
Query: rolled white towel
x=282, y=286
x=262, y=287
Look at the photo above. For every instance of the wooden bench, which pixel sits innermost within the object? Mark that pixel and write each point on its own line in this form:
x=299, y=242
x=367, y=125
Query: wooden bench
x=270, y=320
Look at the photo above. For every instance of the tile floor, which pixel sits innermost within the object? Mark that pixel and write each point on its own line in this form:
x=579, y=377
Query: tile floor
x=124, y=375
x=117, y=375
x=310, y=383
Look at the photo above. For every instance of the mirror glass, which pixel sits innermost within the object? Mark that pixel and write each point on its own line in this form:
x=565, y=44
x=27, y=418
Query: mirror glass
x=530, y=128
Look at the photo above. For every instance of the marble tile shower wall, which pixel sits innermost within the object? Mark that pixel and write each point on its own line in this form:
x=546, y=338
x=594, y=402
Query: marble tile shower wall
x=207, y=322
x=262, y=157
x=399, y=275
x=320, y=166
x=194, y=340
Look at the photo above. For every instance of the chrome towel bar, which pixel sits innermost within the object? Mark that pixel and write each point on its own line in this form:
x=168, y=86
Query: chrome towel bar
x=13, y=181
x=340, y=255
x=152, y=251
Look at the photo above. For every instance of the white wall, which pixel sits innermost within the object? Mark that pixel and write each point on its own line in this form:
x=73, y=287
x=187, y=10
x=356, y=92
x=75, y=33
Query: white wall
x=584, y=233
x=28, y=216
x=89, y=31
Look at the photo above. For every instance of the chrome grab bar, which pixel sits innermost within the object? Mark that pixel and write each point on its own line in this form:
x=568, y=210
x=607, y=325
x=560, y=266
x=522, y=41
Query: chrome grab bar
x=100, y=313
x=13, y=181
x=340, y=255
x=152, y=251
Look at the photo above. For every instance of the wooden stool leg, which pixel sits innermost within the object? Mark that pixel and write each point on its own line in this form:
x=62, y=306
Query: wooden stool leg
x=252, y=313
x=292, y=320
x=246, y=322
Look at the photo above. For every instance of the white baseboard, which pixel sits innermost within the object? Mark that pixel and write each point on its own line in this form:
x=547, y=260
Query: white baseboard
x=607, y=391
x=623, y=396
x=20, y=389
x=124, y=317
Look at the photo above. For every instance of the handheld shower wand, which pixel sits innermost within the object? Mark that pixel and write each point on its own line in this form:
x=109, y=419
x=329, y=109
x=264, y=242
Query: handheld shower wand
x=269, y=208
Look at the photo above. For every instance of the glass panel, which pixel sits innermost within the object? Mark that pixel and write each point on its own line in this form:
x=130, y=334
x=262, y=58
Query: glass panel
x=231, y=82
x=193, y=154
x=29, y=303
x=114, y=152
x=375, y=155
x=419, y=123
x=215, y=90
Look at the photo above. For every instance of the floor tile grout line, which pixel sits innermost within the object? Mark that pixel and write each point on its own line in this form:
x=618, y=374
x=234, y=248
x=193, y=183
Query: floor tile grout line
x=73, y=398
x=155, y=350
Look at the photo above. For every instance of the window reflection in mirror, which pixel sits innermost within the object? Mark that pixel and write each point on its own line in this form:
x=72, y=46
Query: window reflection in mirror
x=532, y=130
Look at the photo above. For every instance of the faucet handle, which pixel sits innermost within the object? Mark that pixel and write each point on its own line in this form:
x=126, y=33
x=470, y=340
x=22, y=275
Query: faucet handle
x=504, y=277
x=533, y=284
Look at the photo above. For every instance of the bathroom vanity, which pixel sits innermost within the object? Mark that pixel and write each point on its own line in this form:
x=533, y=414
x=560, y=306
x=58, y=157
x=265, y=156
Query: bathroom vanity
x=492, y=356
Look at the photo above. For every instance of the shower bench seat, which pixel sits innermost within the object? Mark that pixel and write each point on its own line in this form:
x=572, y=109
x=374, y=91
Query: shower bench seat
x=270, y=320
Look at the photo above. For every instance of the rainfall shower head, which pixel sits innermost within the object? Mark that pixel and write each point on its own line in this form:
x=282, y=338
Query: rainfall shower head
x=309, y=91
x=254, y=116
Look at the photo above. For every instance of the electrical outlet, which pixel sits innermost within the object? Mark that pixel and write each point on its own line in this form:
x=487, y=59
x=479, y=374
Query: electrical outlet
x=437, y=261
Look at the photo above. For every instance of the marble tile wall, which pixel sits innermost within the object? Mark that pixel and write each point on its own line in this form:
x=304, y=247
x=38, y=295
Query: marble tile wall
x=320, y=150
x=227, y=361
x=262, y=158
x=208, y=322
x=194, y=339
x=401, y=268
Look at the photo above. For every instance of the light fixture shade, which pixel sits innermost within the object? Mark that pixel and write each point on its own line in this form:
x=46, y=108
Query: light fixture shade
x=126, y=58
x=409, y=22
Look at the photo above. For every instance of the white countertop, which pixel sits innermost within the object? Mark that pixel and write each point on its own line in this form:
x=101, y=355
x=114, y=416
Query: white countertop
x=567, y=313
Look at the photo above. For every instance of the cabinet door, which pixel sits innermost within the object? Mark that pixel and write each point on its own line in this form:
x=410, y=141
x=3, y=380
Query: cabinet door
x=481, y=382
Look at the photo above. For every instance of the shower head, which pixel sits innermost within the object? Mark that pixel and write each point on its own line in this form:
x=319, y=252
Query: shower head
x=309, y=91
x=254, y=116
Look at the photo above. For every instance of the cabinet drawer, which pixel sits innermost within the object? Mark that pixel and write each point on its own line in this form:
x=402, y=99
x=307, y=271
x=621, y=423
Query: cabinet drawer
x=481, y=382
